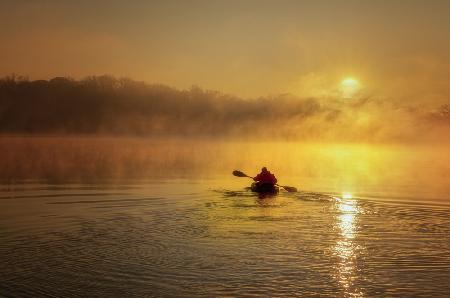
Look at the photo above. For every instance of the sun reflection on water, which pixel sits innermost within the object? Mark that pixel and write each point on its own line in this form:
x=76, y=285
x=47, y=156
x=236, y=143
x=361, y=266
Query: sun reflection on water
x=345, y=247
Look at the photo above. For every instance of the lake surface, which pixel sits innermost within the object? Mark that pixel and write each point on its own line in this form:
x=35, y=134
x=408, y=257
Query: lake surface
x=130, y=217
x=214, y=238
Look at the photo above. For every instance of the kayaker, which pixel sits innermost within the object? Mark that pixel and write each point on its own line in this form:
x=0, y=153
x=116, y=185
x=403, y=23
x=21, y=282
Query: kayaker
x=265, y=177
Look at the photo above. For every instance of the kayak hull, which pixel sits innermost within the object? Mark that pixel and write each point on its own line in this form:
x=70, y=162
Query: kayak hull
x=264, y=188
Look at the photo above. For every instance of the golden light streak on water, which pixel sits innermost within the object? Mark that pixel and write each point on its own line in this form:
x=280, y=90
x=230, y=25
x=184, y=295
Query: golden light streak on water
x=345, y=246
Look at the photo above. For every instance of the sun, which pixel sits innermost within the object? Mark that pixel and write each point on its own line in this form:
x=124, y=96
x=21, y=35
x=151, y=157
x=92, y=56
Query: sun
x=349, y=82
x=349, y=87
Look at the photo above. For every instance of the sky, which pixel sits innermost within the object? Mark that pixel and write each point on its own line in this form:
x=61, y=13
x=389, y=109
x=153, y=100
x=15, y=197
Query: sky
x=398, y=50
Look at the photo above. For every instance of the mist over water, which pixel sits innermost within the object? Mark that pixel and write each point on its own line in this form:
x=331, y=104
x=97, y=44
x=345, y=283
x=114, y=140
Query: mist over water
x=417, y=172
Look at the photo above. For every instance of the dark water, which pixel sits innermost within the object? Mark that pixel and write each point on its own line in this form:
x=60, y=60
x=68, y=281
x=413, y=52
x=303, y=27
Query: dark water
x=180, y=238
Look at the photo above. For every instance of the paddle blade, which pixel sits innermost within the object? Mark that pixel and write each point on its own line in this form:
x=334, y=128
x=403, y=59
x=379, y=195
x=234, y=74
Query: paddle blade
x=289, y=188
x=239, y=174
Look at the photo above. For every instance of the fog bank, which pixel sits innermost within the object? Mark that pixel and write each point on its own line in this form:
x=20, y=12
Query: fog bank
x=109, y=106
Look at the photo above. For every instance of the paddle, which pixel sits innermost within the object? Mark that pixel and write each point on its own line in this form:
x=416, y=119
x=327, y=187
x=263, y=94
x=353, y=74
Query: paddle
x=241, y=174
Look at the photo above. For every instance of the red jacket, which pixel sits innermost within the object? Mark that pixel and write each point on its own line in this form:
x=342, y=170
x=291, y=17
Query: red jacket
x=266, y=177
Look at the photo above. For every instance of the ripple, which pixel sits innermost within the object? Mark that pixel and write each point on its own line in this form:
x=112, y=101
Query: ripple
x=105, y=201
x=61, y=195
x=214, y=243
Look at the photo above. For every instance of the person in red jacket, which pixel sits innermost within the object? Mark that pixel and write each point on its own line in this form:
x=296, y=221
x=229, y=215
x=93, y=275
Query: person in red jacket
x=265, y=177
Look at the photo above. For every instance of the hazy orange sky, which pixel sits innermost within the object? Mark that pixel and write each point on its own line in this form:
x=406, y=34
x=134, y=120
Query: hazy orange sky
x=395, y=49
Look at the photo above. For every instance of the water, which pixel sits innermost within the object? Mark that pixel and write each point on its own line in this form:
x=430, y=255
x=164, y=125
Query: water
x=214, y=238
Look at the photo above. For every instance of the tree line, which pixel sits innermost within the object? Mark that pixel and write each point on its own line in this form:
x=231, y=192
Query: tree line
x=104, y=104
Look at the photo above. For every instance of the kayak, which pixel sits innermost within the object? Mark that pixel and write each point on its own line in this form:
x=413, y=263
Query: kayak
x=264, y=188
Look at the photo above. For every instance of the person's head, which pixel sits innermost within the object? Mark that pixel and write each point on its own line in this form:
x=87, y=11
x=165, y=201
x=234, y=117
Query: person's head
x=264, y=169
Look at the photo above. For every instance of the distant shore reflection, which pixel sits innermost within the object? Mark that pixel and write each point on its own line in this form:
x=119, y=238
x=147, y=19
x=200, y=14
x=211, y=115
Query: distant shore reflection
x=345, y=247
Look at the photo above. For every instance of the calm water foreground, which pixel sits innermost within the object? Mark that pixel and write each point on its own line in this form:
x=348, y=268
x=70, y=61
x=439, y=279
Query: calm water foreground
x=214, y=238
